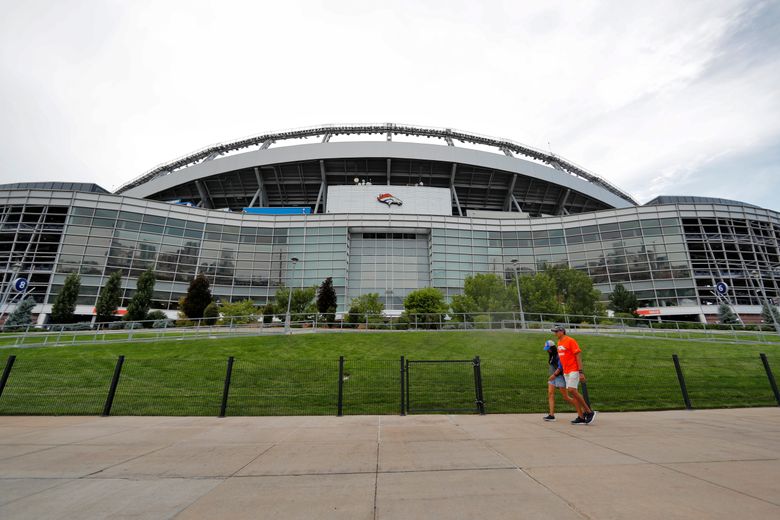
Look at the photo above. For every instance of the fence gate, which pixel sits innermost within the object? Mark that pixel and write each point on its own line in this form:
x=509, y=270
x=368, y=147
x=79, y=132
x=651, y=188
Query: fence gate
x=449, y=386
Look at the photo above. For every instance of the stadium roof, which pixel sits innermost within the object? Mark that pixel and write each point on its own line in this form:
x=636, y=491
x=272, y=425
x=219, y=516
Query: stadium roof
x=326, y=132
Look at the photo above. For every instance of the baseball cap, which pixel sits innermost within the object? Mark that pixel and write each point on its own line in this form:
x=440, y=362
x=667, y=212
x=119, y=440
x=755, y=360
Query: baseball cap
x=558, y=328
x=549, y=344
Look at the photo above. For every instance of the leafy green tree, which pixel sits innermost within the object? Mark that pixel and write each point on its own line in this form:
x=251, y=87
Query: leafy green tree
x=726, y=316
x=211, y=313
x=139, y=304
x=574, y=289
x=366, y=305
x=302, y=301
x=538, y=292
x=426, y=304
x=198, y=297
x=65, y=304
x=240, y=312
x=484, y=293
x=22, y=315
x=327, y=300
x=622, y=300
x=110, y=298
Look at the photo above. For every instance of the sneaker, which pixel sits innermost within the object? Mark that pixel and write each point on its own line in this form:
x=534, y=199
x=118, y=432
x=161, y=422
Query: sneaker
x=579, y=420
x=549, y=418
x=589, y=418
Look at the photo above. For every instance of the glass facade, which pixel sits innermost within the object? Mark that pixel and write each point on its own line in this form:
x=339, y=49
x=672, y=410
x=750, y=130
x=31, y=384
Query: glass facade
x=669, y=255
x=391, y=263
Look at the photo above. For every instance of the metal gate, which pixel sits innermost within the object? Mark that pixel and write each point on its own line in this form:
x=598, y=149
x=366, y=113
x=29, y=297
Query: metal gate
x=450, y=386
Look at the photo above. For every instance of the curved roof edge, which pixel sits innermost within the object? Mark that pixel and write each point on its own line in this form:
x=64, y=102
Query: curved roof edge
x=88, y=187
x=326, y=131
x=689, y=199
x=394, y=150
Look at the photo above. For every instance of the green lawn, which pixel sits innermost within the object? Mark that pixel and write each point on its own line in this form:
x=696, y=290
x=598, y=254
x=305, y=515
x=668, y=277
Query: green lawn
x=289, y=375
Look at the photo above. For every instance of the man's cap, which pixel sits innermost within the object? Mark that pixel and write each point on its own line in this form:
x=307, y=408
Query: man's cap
x=558, y=328
x=549, y=344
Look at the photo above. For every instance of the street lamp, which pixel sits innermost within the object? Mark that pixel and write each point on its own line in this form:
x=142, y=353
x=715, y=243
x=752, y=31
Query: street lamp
x=519, y=298
x=294, y=261
x=755, y=275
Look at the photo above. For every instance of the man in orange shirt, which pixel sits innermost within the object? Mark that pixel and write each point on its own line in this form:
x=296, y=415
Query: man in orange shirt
x=570, y=355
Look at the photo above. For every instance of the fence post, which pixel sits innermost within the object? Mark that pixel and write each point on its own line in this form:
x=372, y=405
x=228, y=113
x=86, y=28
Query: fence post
x=403, y=387
x=478, y=386
x=764, y=360
x=223, y=408
x=408, y=377
x=112, y=390
x=341, y=387
x=681, y=379
x=6, y=372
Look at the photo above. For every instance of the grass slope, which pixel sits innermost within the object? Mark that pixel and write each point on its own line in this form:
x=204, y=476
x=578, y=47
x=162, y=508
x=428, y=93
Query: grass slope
x=298, y=374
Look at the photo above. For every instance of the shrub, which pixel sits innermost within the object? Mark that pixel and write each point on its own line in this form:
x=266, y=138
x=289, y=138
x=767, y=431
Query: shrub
x=210, y=314
x=162, y=324
x=82, y=325
x=482, y=322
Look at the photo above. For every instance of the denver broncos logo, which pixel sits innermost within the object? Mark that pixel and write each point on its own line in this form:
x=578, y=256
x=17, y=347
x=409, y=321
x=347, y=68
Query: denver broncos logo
x=389, y=199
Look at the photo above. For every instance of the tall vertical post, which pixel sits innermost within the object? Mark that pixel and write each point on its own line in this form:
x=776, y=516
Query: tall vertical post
x=403, y=388
x=112, y=390
x=228, y=374
x=6, y=372
x=478, y=386
x=764, y=360
x=341, y=387
x=681, y=379
x=408, y=377
x=585, y=394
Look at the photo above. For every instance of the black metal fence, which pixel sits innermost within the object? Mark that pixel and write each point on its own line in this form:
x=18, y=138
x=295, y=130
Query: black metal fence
x=246, y=387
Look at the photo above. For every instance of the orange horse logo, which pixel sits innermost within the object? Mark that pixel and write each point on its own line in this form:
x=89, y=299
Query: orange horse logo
x=389, y=199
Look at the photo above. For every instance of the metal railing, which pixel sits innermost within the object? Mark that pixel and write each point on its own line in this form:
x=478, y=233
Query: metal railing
x=254, y=325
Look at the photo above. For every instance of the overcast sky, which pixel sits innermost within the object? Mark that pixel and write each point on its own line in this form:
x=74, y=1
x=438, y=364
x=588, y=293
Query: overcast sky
x=677, y=97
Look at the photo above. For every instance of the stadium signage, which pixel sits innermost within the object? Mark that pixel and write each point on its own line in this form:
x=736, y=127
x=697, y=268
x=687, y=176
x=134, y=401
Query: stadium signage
x=389, y=199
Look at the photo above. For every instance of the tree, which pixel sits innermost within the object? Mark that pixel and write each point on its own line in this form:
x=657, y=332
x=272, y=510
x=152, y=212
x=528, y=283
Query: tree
x=726, y=316
x=427, y=304
x=22, y=315
x=211, y=313
x=622, y=300
x=326, y=300
x=198, y=297
x=574, y=289
x=538, y=292
x=484, y=293
x=65, y=303
x=366, y=305
x=139, y=304
x=302, y=301
x=239, y=312
x=110, y=298
x=768, y=313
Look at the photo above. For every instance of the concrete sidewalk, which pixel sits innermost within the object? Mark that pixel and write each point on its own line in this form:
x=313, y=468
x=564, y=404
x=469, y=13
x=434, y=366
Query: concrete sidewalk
x=677, y=464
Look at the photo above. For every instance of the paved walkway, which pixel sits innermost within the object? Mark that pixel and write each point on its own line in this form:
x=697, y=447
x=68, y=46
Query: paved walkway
x=678, y=464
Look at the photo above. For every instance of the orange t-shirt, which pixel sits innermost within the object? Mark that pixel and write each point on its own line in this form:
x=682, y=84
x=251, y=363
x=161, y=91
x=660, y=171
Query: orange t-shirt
x=567, y=353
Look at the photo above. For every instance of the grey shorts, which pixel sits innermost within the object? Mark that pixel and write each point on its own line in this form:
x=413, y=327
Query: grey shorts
x=558, y=382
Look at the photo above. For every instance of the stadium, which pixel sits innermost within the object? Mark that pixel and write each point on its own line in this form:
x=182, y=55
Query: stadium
x=384, y=209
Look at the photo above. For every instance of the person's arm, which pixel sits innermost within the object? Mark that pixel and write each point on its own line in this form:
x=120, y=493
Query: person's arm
x=558, y=371
x=579, y=364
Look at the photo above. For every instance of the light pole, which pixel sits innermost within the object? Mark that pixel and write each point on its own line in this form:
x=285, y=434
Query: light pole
x=770, y=308
x=294, y=261
x=519, y=298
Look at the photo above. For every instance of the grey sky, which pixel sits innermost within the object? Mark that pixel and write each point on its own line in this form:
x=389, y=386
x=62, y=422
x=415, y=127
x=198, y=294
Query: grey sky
x=662, y=97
